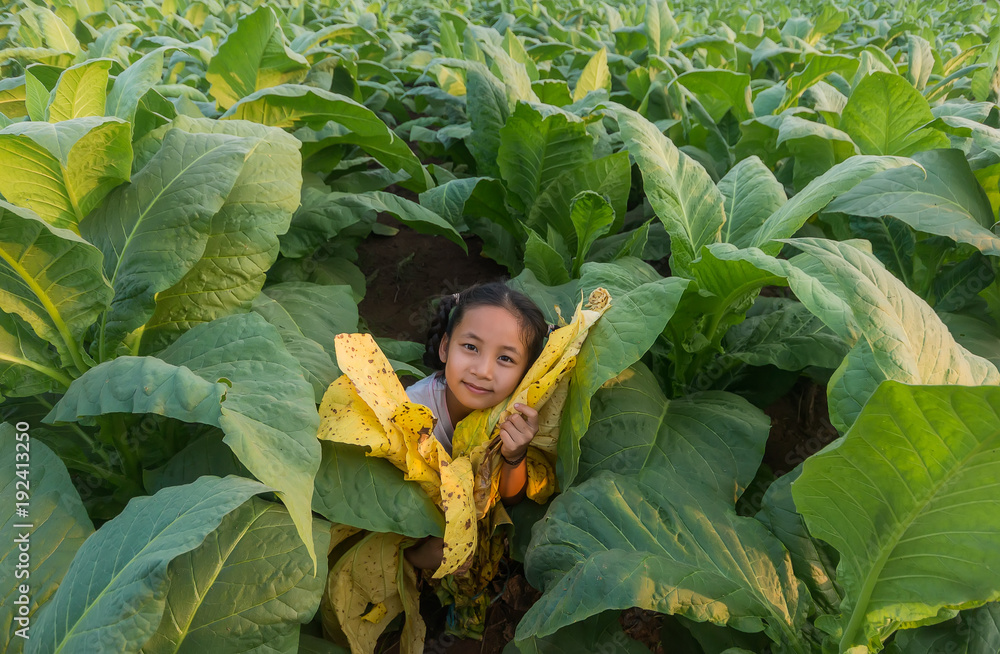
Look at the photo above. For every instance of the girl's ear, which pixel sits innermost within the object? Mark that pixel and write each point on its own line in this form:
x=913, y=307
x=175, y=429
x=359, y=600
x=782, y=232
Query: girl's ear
x=443, y=349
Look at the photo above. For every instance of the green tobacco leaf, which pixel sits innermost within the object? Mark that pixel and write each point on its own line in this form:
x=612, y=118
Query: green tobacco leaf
x=976, y=631
x=208, y=455
x=893, y=242
x=787, y=220
x=215, y=590
x=814, y=561
x=133, y=83
x=914, y=541
x=816, y=147
x=544, y=261
x=486, y=106
x=976, y=336
x=243, y=235
x=944, y=199
x=141, y=385
x=636, y=431
x=595, y=76
x=28, y=366
x=729, y=87
x=114, y=593
x=661, y=28
x=903, y=339
x=681, y=193
x=535, y=148
x=62, y=171
x=592, y=218
x=321, y=216
x=269, y=415
x=12, y=97
x=155, y=229
x=52, y=279
x=288, y=104
x=610, y=176
x=818, y=66
x=666, y=539
x=785, y=334
x=886, y=115
x=600, y=633
x=474, y=196
x=642, y=304
x=59, y=526
x=308, y=317
x=393, y=504
x=750, y=194
x=80, y=91
x=253, y=56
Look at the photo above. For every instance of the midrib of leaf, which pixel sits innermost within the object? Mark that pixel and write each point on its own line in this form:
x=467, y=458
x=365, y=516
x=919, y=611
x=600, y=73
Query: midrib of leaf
x=728, y=210
x=45, y=370
x=184, y=629
x=49, y=306
x=139, y=221
x=104, y=591
x=873, y=577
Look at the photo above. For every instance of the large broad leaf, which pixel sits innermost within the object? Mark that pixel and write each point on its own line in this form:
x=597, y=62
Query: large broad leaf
x=253, y=56
x=680, y=191
x=308, y=317
x=155, y=229
x=815, y=146
x=486, y=107
x=661, y=28
x=751, y=194
x=243, y=236
x=610, y=176
x=269, y=415
x=391, y=504
x=641, y=306
x=814, y=562
x=592, y=218
x=52, y=279
x=537, y=147
x=141, y=385
x=903, y=339
x=944, y=199
x=909, y=499
x=216, y=590
x=473, y=196
x=288, y=104
x=133, y=83
x=594, y=76
x=787, y=220
x=727, y=86
x=976, y=631
x=785, y=334
x=666, y=537
x=56, y=526
x=114, y=593
x=62, y=171
x=80, y=91
x=886, y=115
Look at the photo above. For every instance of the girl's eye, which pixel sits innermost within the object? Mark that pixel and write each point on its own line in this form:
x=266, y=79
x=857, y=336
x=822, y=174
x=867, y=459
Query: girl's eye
x=504, y=357
x=469, y=346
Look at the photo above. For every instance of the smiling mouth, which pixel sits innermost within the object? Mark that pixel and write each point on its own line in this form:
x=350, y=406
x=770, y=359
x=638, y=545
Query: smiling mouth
x=476, y=389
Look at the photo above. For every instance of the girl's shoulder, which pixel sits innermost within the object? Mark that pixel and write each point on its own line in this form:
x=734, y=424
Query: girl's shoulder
x=424, y=390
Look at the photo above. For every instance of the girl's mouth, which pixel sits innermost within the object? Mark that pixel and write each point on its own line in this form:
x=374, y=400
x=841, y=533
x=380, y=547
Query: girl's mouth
x=475, y=389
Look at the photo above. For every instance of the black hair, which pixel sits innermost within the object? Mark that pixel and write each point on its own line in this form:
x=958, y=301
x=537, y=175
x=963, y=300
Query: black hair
x=451, y=308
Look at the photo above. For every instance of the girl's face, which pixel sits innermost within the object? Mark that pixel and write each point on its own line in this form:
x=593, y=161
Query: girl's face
x=484, y=359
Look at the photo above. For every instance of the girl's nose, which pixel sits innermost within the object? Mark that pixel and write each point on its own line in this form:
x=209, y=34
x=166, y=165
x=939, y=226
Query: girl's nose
x=483, y=368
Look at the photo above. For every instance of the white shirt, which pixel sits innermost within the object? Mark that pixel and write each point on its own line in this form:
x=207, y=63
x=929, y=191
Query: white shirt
x=430, y=391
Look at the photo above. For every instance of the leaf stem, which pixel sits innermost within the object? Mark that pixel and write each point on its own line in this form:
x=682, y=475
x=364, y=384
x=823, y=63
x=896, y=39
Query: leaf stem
x=113, y=430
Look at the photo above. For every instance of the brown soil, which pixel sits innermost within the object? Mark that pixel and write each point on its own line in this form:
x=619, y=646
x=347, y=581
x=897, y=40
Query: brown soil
x=406, y=271
x=800, y=426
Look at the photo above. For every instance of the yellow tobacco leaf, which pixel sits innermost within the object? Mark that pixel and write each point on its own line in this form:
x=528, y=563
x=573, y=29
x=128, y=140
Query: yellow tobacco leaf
x=415, y=423
x=486, y=462
x=359, y=357
x=339, y=533
x=459, y=516
x=346, y=418
x=362, y=593
x=541, y=476
x=411, y=641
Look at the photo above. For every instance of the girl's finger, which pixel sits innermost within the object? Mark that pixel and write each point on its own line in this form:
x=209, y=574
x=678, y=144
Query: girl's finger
x=517, y=422
x=526, y=411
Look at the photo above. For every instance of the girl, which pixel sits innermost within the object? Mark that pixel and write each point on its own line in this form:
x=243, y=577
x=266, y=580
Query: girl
x=485, y=340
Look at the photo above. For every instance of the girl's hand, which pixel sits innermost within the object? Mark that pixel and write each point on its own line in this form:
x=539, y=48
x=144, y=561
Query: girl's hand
x=517, y=431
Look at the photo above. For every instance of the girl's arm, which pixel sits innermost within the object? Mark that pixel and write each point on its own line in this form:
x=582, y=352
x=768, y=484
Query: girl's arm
x=515, y=435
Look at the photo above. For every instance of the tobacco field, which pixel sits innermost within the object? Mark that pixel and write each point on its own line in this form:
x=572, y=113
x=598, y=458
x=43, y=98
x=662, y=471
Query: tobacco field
x=789, y=205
